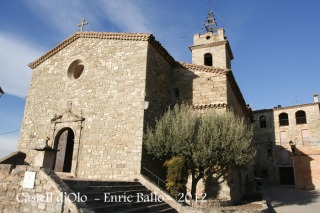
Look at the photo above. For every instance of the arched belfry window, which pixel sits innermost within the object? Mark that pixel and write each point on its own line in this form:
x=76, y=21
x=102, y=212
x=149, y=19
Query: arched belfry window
x=283, y=119
x=301, y=117
x=208, y=59
x=263, y=122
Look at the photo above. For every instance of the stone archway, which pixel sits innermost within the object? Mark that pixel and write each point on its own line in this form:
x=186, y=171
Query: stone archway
x=64, y=142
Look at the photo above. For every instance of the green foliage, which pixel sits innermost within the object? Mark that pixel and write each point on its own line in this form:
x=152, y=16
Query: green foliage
x=177, y=176
x=208, y=142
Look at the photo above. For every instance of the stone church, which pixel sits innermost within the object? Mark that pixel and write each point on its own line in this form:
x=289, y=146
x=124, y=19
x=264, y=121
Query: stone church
x=94, y=93
x=92, y=96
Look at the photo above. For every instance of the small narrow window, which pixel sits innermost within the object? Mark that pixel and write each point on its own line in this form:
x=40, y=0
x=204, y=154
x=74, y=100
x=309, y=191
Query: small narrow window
x=283, y=119
x=269, y=152
x=301, y=117
x=208, y=59
x=240, y=179
x=263, y=122
x=177, y=95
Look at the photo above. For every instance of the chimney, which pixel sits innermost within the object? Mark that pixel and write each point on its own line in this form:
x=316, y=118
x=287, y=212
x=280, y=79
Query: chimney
x=316, y=98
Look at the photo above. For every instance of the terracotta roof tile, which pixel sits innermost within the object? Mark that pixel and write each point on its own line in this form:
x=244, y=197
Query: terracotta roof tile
x=203, y=68
x=105, y=35
x=296, y=106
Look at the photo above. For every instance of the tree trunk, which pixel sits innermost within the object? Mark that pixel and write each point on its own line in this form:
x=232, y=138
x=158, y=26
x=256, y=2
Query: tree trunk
x=194, y=183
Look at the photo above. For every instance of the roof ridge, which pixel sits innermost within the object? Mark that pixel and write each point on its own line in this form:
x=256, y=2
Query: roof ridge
x=99, y=35
x=294, y=106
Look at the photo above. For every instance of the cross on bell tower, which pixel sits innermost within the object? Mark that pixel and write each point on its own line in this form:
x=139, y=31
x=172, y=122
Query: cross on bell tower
x=83, y=22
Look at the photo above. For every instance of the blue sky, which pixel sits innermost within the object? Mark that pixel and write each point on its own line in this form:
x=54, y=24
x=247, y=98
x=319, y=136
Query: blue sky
x=275, y=43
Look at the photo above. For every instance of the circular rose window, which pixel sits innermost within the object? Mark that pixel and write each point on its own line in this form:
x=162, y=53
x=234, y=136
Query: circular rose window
x=75, y=69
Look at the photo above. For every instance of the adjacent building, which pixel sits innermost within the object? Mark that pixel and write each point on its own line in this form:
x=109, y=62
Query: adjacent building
x=288, y=144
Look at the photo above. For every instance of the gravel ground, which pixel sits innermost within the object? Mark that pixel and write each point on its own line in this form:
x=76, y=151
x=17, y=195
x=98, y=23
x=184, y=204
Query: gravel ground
x=249, y=203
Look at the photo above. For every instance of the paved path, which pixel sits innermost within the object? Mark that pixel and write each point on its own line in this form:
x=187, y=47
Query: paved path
x=287, y=199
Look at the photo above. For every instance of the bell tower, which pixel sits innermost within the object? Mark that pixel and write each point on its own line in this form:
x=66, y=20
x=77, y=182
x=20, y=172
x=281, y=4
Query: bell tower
x=211, y=48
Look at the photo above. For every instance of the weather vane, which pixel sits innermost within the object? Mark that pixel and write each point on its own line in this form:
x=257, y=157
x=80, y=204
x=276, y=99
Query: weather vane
x=83, y=22
x=210, y=23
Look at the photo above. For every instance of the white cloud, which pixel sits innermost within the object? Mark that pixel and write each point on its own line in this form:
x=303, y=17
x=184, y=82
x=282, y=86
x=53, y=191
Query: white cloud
x=61, y=15
x=128, y=15
x=14, y=72
x=64, y=15
x=8, y=144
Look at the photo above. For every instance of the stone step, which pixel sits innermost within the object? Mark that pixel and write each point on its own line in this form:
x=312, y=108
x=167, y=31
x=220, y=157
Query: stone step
x=114, y=197
x=134, y=208
x=124, y=197
x=78, y=182
x=101, y=188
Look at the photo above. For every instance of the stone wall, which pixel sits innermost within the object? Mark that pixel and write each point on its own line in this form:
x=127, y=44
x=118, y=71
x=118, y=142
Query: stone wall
x=293, y=130
x=198, y=87
x=234, y=104
x=230, y=188
x=109, y=95
x=305, y=161
x=307, y=169
x=213, y=43
x=48, y=195
x=159, y=93
x=264, y=142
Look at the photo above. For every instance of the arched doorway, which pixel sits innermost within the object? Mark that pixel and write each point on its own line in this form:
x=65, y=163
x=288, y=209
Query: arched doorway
x=64, y=142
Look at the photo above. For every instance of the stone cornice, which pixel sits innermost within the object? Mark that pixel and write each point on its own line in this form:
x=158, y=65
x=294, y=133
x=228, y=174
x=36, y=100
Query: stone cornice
x=105, y=35
x=296, y=106
x=202, y=68
x=66, y=117
x=213, y=44
x=209, y=106
x=218, y=43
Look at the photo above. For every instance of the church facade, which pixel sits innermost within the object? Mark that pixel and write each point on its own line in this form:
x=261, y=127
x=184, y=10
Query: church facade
x=94, y=94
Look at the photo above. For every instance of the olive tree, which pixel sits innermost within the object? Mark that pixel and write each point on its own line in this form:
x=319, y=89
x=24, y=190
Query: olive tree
x=208, y=141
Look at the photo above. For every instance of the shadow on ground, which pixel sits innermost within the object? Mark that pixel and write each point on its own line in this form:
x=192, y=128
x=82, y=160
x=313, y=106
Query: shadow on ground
x=287, y=195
